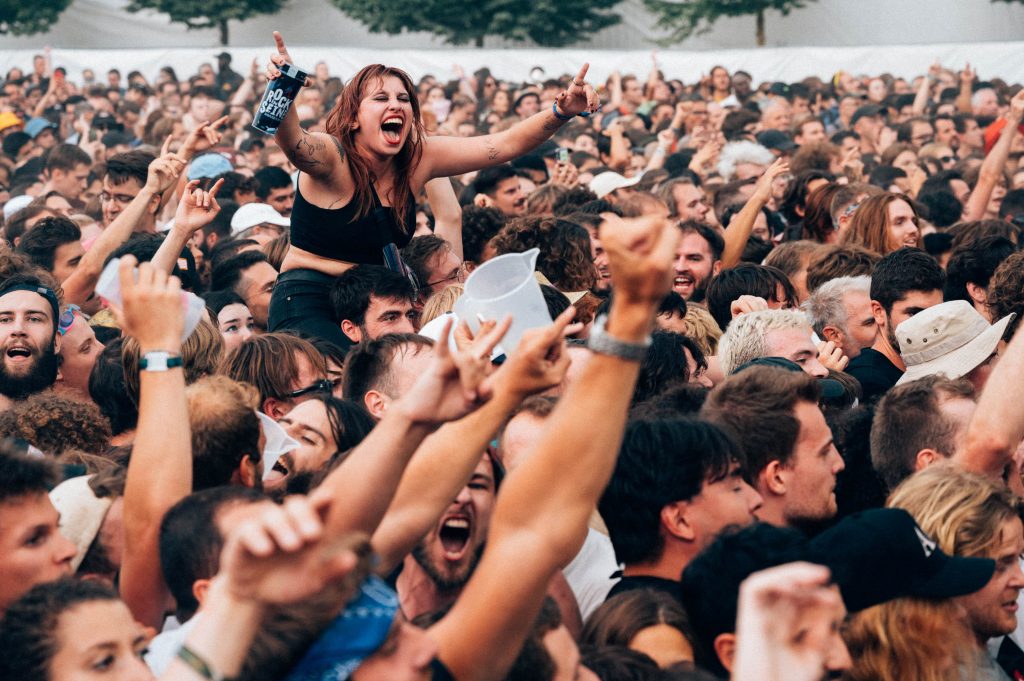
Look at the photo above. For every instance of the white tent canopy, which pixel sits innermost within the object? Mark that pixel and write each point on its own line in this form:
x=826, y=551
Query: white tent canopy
x=826, y=36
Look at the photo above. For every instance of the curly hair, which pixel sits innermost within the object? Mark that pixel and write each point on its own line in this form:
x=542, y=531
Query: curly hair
x=479, y=225
x=565, y=257
x=55, y=424
x=1006, y=291
x=703, y=329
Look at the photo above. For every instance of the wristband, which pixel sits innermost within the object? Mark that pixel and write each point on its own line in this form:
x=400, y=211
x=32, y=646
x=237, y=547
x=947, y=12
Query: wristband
x=198, y=664
x=561, y=117
x=158, y=360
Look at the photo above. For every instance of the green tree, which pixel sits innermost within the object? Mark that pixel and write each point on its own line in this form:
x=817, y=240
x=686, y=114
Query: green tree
x=551, y=23
x=209, y=13
x=26, y=18
x=693, y=17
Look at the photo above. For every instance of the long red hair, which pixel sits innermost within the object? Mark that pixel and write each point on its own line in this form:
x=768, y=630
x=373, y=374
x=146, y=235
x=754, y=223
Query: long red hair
x=339, y=124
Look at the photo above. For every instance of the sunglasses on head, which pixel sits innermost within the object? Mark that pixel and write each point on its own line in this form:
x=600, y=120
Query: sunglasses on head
x=67, y=318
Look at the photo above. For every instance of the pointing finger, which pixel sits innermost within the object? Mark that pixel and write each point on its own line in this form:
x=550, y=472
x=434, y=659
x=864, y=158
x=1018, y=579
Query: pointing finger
x=166, y=146
x=279, y=41
x=582, y=75
x=216, y=188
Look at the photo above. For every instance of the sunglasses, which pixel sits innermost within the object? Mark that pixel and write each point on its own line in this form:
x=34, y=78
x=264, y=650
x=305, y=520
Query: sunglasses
x=948, y=159
x=321, y=386
x=67, y=318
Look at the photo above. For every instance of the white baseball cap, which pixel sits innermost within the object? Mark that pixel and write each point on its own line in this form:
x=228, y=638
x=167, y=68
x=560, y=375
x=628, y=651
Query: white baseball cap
x=252, y=214
x=609, y=181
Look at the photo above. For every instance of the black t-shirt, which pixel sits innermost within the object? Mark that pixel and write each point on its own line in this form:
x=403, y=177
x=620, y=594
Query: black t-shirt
x=438, y=672
x=669, y=586
x=875, y=373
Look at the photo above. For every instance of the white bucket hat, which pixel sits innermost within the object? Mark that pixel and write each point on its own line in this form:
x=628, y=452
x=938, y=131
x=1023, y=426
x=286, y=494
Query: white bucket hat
x=951, y=338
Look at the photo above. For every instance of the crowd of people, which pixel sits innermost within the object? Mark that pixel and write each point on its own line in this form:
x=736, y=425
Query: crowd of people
x=771, y=431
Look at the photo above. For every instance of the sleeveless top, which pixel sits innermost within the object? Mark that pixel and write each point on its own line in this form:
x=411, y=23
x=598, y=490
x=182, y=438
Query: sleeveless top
x=337, y=233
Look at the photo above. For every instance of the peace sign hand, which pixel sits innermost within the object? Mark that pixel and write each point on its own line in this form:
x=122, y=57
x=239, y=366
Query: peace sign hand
x=579, y=97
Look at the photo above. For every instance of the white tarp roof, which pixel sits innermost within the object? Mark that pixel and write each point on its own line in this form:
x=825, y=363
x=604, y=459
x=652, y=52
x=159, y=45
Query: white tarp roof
x=825, y=36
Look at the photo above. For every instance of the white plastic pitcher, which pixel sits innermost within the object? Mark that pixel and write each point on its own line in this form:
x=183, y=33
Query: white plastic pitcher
x=108, y=287
x=505, y=286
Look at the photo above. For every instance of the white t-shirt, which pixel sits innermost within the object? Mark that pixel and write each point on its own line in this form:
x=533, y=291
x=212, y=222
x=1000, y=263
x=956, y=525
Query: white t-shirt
x=590, y=572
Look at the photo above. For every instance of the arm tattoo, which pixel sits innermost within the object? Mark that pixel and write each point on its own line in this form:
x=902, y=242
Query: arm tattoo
x=492, y=151
x=307, y=151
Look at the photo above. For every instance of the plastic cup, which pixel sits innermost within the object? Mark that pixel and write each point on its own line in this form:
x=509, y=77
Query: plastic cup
x=108, y=287
x=505, y=286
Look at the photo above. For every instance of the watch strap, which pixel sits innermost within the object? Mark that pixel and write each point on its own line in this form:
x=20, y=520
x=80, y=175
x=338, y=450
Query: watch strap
x=159, y=360
x=604, y=344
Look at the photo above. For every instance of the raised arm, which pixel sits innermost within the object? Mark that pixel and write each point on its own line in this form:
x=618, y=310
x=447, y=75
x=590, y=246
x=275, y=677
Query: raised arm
x=454, y=385
x=160, y=469
x=196, y=209
x=315, y=153
x=445, y=462
x=924, y=91
x=997, y=426
x=540, y=520
x=447, y=212
x=963, y=100
x=738, y=231
x=992, y=167
x=279, y=556
x=163, y=173
x=445, y=156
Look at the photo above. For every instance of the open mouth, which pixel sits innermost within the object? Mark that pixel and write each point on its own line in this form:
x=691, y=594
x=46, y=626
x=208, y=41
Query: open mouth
x=19, y=353
x=682, y=281
x=392, y=129
x=454, y=535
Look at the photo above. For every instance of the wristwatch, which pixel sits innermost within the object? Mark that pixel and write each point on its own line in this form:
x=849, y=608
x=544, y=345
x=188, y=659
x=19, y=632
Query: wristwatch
x=604, y=344
x=158, y=360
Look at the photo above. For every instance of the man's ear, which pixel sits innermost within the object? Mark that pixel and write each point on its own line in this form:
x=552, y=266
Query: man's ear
x=376, y=403
x=154, y=205
x=979, y=296
x=716, y=267
x=773, y=478
x=725, y=649
x=878, y=312
x=831, y=333
x=201, y=587
x=675, y=521
x=275, y=408
x=352, y=331
x=926, y=457
x=248, y=472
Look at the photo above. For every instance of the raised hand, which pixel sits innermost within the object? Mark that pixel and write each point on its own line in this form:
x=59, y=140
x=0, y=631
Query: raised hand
x=165, y=170
x=454, y=384
x=280, y=58
x=831, y=356
x=1017, y=106
x=540, y=361
x=197, y=208
x=565, y=175
x=151, y=306
x=579, y=97
x=281, y=555
x=640, y=255
x=787, y=625
x=204, y=137
x=968, y=74
x=763, y=188
x=745, y=304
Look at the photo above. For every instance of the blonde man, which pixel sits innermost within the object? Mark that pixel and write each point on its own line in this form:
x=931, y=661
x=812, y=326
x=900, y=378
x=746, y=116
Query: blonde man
x=769, y=333
x=972, y=515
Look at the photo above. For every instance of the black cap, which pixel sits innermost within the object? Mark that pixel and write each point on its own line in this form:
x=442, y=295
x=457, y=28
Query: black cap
x=831, y=389
x=882, y=554
x=105, y=120
x=866, y=110
x=776, y=139
x=224, y=56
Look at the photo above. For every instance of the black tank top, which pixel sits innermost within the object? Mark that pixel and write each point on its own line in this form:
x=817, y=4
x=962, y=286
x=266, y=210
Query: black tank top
x=337, y=233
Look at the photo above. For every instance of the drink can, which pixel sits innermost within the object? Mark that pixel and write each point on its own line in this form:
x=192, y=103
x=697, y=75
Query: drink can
x=278, y=98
